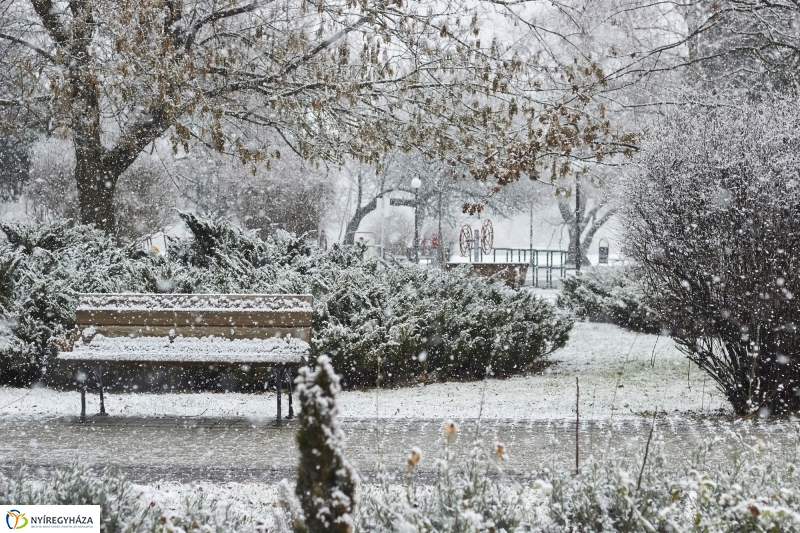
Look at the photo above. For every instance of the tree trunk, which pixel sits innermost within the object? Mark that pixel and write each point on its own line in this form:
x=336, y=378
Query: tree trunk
x=589, y=225
x=97, y=169
x=96, y=187
x=568, y=216
x=571, y=249
x=355, y=221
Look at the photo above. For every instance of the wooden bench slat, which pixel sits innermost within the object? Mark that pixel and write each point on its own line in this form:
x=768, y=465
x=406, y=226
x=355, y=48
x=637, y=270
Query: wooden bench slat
x=240, y=332
x=231, y=318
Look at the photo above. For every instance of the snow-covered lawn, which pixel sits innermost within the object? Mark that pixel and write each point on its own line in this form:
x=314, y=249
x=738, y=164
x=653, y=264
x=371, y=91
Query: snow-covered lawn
x=617, y=380
x=615, y=376
x=256, y=501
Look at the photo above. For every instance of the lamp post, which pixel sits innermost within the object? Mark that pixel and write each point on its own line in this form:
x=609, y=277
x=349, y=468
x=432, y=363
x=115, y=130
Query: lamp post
x=577, y=224
x=415, y=184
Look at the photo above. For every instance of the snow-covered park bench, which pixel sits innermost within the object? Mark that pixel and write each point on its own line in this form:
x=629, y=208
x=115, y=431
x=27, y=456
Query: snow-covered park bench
x=190, y=329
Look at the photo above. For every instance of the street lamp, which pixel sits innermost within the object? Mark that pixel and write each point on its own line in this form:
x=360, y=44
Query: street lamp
x=577, y=224
x=415, y=184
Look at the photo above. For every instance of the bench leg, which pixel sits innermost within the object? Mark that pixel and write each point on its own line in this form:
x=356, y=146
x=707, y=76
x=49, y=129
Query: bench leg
x=98, y=374
x=289, y=375
x=278, y=387
x=82, y=386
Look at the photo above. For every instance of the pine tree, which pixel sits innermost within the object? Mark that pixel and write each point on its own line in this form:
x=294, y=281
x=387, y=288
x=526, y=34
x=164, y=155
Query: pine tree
x=325, y=480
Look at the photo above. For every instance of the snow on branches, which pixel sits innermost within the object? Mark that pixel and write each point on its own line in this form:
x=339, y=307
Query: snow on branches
x=326, y=483
x=712, y=220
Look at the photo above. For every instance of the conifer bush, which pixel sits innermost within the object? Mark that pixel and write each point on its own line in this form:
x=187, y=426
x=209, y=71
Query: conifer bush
x=43, y=266
x=609, y=294
x=412, y=323
x=402, y=322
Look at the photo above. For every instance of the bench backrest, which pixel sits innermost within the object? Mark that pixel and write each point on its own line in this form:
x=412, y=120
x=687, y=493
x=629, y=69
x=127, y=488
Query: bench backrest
x=232, y=316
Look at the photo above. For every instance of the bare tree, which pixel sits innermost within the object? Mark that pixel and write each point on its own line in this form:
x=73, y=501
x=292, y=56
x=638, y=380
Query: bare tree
x=712, y=222
x=444, y=192
x=634, y=60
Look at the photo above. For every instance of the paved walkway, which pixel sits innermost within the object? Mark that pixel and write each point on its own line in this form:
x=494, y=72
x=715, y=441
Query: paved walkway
x=235, y=449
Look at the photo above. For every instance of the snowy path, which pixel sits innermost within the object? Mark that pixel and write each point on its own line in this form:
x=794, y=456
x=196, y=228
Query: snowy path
x=225, y=450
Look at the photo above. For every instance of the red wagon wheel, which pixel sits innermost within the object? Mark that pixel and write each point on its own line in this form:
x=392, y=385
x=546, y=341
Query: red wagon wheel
x=465, y=240
x=487, y=236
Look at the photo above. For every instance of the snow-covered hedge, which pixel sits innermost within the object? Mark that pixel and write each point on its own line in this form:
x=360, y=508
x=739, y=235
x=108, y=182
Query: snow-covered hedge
x=412, y=322
x=406, y=321
x=609, y=294
x=41, y=268
x=124, y=508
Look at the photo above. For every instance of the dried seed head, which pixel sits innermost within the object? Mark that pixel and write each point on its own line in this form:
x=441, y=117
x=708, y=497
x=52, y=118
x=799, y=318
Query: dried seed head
x=449, y=429
x=500, y=450
x=413, y=458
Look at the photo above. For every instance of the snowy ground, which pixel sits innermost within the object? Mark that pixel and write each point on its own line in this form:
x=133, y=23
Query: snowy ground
x=621, y=375
x=225, y=444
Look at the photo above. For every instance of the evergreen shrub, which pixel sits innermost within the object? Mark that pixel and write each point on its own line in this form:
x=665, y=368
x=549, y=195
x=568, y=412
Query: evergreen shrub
x=609, y=294
x=412, y=323
x=372, y=317
x=326, y=483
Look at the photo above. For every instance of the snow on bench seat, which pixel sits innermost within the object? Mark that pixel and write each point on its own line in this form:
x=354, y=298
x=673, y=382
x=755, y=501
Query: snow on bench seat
x=176, y=350
x=193, y=310
x=199, y=302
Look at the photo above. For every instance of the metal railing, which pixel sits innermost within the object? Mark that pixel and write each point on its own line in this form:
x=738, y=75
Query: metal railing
x=545, y=265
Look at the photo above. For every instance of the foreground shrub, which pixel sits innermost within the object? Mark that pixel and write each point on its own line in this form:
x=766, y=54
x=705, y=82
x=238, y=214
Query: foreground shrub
x=713, y=221
x=471, y=495
x=326, y=483
x=76, y=484
x=608, y=294
x=756, y=491
x=123, y=507
x=406, y=321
